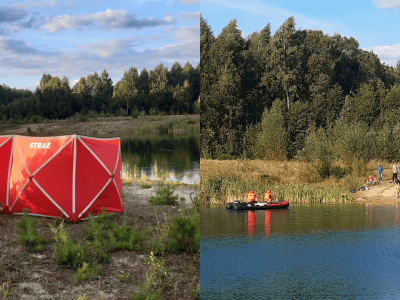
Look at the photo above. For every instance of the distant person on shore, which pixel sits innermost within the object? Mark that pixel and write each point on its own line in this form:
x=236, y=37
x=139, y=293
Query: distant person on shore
x=268, y=196
x=370, y=180
x=379, y=169
x=251, y=197
x=395, y=172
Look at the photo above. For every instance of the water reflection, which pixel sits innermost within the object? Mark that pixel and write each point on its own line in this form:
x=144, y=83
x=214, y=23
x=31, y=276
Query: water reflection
x=173, y=157
x=332, y=251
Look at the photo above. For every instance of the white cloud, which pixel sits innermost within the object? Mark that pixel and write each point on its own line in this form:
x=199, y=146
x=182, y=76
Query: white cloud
x=189, y=1
x=388, y=54
x=116, y=56
x=32, y=3
x=387, y=4
x=112, y=47
x=188, y=33
x=109, y=20
x=187, y=15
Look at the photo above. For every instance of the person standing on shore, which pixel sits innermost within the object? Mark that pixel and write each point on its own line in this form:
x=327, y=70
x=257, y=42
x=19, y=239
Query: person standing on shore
x=395, y=172
x=379, y=169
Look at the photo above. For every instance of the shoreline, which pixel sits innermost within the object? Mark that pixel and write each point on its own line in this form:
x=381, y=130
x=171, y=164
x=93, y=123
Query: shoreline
x=104, y=126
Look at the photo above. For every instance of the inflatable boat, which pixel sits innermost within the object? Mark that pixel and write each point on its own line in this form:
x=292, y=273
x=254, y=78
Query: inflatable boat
x=257, y=205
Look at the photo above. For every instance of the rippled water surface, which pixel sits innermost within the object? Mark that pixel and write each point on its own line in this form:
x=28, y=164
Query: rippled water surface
x=332, y=251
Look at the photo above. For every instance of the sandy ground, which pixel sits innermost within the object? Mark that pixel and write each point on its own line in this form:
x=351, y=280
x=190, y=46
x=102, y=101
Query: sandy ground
x=383, y=192
x=37, y=276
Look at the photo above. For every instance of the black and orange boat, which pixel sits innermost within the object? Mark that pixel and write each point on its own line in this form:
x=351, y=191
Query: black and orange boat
x=238, y=205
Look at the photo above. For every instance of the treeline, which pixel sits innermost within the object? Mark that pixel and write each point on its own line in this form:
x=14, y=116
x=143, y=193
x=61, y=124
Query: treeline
x=160, y=91
x=296, y=94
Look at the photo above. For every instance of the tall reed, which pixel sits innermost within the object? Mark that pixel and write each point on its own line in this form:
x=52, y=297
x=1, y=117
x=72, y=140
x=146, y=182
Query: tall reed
x=222, y=188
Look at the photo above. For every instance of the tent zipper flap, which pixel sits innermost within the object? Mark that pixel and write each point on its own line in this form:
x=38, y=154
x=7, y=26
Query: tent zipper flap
x=119, y=195
x=74, y=177
x=116, y=164
x=90, y=150
x=94, y=199
x=9, y=172
x=47, y=195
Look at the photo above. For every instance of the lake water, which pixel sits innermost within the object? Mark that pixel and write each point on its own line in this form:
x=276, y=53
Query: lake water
x=331, y=251
x=177, y=156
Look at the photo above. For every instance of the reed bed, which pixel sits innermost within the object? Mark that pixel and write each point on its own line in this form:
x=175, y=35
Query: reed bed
x=219, y=189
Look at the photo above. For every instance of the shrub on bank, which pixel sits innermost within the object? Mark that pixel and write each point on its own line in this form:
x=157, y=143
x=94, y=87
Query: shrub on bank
x=27, y=234
x=184, y=233
x=164, y=196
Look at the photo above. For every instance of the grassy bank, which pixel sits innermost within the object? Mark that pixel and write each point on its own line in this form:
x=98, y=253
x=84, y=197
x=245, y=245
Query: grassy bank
x=220, y=188
x=223, y=181
x=111, y=125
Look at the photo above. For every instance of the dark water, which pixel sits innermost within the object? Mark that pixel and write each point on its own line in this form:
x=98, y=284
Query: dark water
x=332, y=251
x=177, y=156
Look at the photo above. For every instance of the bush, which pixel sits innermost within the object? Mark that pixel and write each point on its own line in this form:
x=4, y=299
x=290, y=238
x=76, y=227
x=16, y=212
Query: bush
x=27, y=234
x=164, y=196
x=224, y=156
x=125, y=237
x=97, y=226
x=71, y=253
x=339, y=172
x=184, y=233
x=84, y=272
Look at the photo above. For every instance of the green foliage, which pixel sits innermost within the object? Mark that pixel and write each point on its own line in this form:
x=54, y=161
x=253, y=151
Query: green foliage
x=272, y=141
x=86, y=272
x=124, y=278
x=352, y=182
x=160, y=242
x=27, y=234
x=318, y=79
x=224, y=156
x=164, y=196
x=339, y=172
x=71, y=253
x=145, y=185
x=184, y=233
x=98, y=226
x=151, y=287
x=126, y=237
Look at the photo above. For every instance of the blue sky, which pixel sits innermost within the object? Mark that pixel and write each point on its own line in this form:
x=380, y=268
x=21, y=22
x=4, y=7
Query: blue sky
x=375, y=24
x=75, y=38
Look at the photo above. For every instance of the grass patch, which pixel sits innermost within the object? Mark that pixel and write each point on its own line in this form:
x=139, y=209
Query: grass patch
x=124, y=278
x=145, y=185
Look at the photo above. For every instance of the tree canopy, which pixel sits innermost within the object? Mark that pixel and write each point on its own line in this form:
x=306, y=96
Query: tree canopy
x=269, y=95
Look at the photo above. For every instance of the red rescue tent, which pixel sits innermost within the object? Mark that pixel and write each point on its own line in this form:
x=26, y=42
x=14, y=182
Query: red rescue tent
x=69, y=176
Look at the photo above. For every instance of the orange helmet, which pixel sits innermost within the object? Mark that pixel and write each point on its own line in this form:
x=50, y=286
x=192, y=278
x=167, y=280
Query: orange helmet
x=269, y=192
x=252, y=192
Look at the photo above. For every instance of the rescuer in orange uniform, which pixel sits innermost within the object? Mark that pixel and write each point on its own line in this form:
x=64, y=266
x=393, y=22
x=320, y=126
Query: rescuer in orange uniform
x=251, y=197
x=268, y=196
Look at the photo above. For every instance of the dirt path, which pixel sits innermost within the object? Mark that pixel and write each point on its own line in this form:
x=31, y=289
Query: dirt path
x=383, y=192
